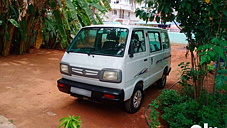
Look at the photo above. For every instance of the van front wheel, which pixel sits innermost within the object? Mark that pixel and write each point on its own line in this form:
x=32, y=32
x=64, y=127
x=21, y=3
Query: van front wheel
x=133, y=104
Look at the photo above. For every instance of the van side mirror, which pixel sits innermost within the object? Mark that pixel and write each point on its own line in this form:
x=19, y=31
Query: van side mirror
x=131, y=50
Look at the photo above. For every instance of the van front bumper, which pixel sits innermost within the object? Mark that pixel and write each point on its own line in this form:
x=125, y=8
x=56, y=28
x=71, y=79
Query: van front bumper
x=83, y=90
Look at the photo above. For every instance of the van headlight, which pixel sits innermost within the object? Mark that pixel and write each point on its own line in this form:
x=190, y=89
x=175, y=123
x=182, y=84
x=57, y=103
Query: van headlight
x=64, y=68
x=110, y=75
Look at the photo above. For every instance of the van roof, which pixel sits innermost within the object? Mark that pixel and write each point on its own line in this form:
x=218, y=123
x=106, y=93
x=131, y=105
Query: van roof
x=126, y=26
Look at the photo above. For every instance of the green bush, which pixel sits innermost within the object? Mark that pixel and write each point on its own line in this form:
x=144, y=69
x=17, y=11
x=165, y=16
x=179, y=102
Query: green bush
x=167, y=98
x=180, y=110
x=70, y=122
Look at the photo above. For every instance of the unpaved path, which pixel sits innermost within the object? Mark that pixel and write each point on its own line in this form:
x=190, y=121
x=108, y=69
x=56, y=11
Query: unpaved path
x=30, y=98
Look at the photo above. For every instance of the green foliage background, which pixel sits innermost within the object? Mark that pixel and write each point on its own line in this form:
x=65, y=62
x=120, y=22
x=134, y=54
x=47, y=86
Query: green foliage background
x=50, y=23
x=204, y=23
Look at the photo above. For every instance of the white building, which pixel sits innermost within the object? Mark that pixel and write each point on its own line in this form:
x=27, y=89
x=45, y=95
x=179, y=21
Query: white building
x=123, y=11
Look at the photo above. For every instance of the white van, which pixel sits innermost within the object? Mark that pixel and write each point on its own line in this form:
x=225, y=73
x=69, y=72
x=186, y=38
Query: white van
x=115, y=63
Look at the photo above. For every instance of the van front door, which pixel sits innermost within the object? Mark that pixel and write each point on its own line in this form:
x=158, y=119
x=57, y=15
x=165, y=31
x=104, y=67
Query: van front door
x=137, y=66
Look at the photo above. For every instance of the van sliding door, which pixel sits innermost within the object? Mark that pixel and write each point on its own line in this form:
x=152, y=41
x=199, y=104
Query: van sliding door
x=155, y=56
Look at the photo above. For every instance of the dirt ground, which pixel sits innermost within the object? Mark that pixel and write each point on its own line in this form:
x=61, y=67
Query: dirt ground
x=31, y=99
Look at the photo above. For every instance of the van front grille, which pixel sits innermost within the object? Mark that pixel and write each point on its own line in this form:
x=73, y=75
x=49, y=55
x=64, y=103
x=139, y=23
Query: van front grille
x=85, y=72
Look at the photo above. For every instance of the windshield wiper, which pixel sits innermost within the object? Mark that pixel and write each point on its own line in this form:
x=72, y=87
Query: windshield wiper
x=90, y=53
x=68, y=51
x=87, y=48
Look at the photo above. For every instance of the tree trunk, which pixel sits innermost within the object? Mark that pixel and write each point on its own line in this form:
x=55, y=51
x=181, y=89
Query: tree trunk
x=7, y=44
x=39, y=40
x=29, y=30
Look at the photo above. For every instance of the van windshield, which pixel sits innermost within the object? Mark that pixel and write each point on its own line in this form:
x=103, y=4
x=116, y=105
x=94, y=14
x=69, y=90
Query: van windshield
x=108, y=41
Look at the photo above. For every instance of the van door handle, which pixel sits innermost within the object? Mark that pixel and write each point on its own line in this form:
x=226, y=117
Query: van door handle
x=145, y=60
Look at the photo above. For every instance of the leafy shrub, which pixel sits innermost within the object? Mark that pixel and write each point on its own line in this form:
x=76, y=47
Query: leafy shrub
x=178, y=115
x=182, y=111
x=187, y=92
x=70, y=122
x=154, y=115
x=167, y=98
x=211, y=115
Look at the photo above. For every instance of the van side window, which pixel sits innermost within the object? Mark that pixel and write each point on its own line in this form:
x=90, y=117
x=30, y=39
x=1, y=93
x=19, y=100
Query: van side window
x=138, y=41
x=165, y=40
x=154, y=41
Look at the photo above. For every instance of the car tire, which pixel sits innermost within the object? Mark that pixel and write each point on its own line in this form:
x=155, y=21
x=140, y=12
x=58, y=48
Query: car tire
x=161, y=83
x=133, y=104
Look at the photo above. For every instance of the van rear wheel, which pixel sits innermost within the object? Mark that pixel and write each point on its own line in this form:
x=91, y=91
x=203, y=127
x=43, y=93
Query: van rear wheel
x=161, y=83
x=133, y=104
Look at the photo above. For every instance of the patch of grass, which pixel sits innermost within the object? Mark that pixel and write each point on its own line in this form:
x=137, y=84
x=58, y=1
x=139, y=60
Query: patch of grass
x=11, y=121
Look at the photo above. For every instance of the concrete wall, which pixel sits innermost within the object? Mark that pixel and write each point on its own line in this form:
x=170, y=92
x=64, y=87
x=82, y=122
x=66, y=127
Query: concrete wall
x=178, y=38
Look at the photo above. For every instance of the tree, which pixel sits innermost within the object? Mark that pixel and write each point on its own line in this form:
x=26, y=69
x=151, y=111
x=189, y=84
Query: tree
x=25, y=24
x=70, y=15
x=206, y=20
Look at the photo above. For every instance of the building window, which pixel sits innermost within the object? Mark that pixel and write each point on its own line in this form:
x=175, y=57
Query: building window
x=114, y=12
x=122, y=12
x=130, y=1
x=116, y=2
x=128, y=14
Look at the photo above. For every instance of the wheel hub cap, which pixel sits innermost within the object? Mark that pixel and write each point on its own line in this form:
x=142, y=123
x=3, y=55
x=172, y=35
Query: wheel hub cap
x=137, y=99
